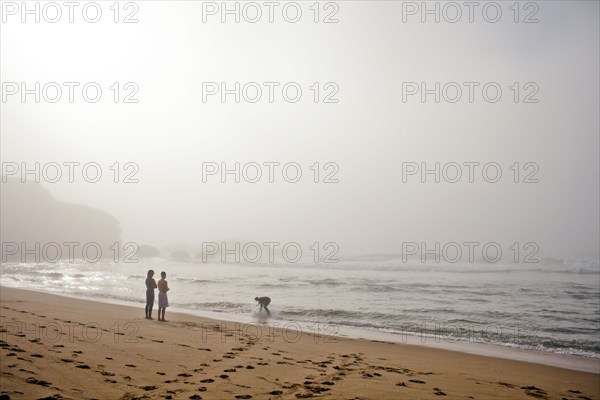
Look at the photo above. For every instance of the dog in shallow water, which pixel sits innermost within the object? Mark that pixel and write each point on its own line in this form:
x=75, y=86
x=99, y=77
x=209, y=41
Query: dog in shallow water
x=263, y=302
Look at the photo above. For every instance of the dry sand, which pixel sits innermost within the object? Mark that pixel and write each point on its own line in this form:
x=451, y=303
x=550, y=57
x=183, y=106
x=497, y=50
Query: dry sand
x=78, y=349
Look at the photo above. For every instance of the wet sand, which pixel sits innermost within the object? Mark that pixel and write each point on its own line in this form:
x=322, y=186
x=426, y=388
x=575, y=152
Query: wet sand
x=78, y=349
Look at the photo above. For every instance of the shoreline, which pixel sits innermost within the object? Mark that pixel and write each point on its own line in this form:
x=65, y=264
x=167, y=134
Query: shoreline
x=566, y=361
x=76, y=348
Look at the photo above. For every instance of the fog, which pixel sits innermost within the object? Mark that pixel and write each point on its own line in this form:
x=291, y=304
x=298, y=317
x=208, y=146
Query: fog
x=365, y=141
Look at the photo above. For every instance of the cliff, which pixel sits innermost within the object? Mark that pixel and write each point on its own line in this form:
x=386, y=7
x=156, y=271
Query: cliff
x=29, y=214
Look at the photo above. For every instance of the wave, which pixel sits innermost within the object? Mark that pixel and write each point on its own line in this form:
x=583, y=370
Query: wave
x=220, y=306
x=560, y=315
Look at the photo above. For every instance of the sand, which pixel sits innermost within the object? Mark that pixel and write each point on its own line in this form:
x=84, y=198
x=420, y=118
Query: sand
x=79, y=349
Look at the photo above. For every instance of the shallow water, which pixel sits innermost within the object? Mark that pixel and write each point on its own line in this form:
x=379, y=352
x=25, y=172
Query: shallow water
x=552, y=306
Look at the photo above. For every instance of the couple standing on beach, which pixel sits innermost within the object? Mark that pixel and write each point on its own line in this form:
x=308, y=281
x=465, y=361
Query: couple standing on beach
x=163, y=301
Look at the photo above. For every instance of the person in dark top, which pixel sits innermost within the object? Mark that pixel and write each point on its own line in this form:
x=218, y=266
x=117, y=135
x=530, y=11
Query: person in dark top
x=150, y=286
x=263, y=302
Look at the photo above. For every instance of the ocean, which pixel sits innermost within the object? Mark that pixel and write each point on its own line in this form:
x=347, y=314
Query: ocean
x=551, y=306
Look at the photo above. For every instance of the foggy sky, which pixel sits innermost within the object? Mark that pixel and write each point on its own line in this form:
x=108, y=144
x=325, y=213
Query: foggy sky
x=369, y=133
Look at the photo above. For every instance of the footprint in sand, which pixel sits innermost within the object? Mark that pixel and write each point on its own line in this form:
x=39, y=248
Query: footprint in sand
x=130, y=365
x=416, y=381
x=224, y=376
x=438, y=392
x=582, y=397
x=508, y=385
x=148, y=388
x=25, y=370
x=36, y=381
x=243, y=396
x=535, y=392
x=292, y=386
x=195, y=397
x=230, y=370
x=184, y=375
x=83, y=366
x=316, y=389
x=209, y=380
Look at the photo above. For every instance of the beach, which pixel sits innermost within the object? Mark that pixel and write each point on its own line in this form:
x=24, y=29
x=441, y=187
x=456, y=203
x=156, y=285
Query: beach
x=343, y=200
x=79, y=349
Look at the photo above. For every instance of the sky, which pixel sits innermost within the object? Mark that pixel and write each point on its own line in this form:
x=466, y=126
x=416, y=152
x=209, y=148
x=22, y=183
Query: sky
x=371, y=129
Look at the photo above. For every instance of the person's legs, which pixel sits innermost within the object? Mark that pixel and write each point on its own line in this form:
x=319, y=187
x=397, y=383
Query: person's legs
x=163, y=314
x=149, y=305
x=147, y=308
